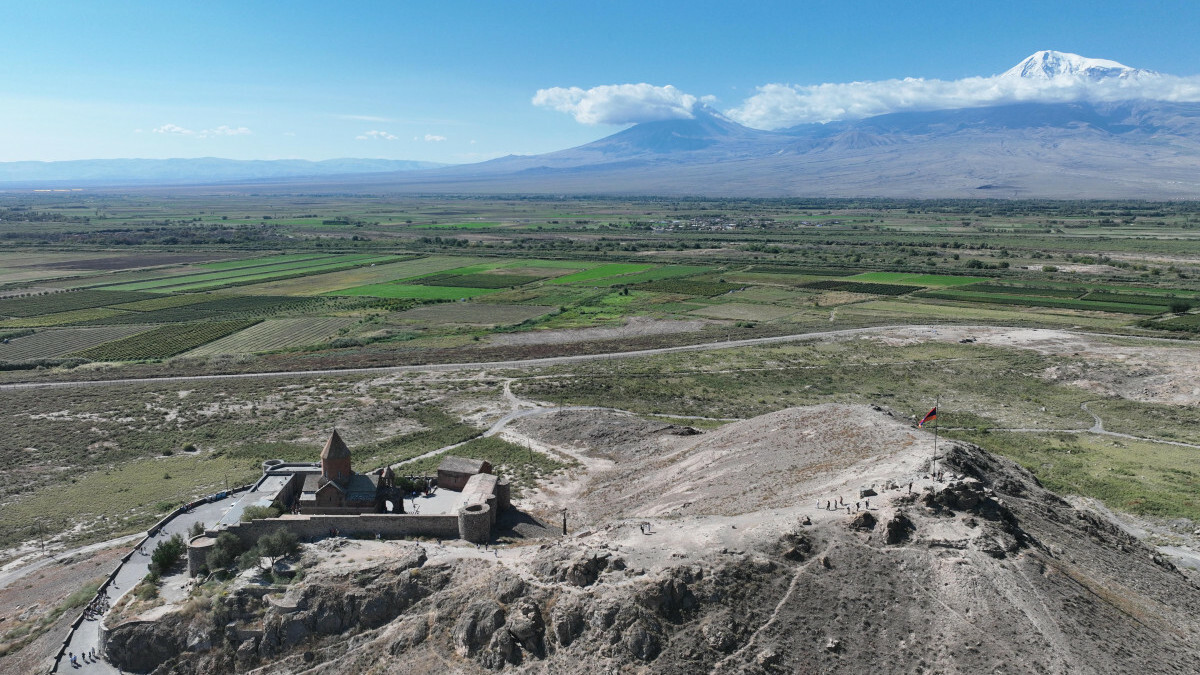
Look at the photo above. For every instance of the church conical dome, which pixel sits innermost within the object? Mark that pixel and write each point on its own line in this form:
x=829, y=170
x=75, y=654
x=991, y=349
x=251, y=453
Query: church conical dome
x=335, y=448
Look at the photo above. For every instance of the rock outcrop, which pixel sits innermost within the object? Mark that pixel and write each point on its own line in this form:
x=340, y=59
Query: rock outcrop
x=987, y=572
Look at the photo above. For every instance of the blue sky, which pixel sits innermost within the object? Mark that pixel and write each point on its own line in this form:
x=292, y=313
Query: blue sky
x=455, y=81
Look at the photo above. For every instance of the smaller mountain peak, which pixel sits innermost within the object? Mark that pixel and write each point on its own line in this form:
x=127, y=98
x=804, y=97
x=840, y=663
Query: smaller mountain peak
x=1048, y=65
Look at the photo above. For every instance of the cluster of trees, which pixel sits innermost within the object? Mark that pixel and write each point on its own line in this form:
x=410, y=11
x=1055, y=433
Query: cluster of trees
x=229, y=552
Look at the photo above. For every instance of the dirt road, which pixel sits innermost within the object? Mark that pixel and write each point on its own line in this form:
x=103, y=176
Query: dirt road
x=562, y=360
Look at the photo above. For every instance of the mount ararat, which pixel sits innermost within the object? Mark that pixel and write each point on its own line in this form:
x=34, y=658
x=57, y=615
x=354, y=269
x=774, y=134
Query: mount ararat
x=1062, y=126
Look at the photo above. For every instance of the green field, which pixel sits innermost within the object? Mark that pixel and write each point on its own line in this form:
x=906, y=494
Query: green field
x=291, y=264
x=259, y=262
x=665, y=272
x=455, y=226
x=414, y=291
x=479, y=280
x=204, y=281
x=914, y=279
x=601, y=272
x=326, y=282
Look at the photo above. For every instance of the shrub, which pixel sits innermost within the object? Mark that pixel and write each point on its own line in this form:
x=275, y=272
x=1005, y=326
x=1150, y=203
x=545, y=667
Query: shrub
x=260, y=512
x=224, y=553
x=166, y=554
x=278, y=544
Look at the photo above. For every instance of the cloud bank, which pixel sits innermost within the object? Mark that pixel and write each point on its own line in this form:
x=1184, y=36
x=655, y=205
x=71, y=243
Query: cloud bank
x=777, y=106
x=619, y=103
x=1044, y=77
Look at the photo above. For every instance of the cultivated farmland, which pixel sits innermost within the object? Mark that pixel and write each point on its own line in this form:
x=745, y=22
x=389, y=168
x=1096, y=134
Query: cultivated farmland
x=52, y=303
x=277, y=334
x=58, y=342
x=164, y=341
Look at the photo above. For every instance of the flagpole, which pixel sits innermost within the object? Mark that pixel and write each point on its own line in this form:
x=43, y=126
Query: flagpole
x=936, y=402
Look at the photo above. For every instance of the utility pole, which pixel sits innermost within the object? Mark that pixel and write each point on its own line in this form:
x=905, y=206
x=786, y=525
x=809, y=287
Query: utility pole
x=564, y=511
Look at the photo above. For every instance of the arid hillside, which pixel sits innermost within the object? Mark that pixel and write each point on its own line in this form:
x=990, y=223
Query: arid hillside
x=791, y=542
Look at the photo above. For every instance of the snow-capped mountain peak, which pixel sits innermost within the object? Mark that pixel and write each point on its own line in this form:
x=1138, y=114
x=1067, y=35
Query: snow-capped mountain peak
x=1048, y=65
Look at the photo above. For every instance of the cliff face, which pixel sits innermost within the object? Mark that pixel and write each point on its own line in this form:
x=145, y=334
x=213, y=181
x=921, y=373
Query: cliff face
x=987, y=572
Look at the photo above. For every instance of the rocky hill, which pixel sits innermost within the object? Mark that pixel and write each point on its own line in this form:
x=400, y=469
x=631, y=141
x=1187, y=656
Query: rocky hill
x=746, y=567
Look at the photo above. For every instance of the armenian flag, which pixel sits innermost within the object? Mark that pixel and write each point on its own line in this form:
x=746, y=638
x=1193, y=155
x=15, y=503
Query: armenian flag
x=929, y=417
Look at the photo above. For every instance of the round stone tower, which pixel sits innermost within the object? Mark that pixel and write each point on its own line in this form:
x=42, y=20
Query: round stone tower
x=335, y=459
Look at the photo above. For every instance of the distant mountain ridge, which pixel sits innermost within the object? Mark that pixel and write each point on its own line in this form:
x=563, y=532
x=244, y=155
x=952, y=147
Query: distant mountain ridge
x=194, y=170
x=1125, y=149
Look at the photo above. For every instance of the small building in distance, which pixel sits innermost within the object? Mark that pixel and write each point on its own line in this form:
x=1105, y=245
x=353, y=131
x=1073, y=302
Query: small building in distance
x=454, y=472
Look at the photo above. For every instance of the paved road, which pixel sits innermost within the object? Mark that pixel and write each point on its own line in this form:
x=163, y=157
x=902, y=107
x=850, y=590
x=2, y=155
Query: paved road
x=19, y=568
x=87, y=636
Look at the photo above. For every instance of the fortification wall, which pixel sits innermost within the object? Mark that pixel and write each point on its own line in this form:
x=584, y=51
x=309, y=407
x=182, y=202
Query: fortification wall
x=308, y=527
x=475, y=522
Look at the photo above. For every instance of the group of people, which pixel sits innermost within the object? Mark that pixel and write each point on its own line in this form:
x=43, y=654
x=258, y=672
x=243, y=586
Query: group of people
x=97, y=607
x=88, y=657
x=839, y=504
x=865, y=504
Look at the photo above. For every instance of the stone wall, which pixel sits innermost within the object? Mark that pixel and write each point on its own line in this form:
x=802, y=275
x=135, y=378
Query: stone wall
x=475, y=523
x=197, y=552
x=308, y=527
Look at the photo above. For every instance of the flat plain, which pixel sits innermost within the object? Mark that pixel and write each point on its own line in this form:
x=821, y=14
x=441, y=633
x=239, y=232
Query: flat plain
x=416, y=281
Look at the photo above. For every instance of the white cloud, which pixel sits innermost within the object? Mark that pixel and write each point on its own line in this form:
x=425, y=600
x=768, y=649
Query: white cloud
x=619, y=103
x=223, y=130
x=174, y=129
x=777, y=106
x=377, y=135
x=434, y=138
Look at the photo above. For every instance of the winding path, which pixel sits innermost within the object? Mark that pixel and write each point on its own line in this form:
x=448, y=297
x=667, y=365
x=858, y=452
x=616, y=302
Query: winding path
x=1096, y=428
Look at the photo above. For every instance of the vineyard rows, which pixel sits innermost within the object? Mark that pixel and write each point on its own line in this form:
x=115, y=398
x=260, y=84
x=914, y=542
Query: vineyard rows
x=54, y=303
x=477, y=280
x=687, y=287
x=222, y=307
x=856, y=287
x=54, y=343
x=164, y=341
x=275, y=334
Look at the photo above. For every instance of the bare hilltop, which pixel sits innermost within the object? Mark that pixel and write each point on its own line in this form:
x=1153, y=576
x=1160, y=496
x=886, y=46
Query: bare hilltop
x=818, y=539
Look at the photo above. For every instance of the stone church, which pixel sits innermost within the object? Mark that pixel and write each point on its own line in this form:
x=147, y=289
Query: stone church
x=337, y=489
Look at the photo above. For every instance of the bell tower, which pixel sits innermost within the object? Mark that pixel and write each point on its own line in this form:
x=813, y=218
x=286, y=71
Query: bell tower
x=335, y=459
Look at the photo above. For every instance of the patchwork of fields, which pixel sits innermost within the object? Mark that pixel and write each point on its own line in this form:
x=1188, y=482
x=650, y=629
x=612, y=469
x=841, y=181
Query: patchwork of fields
x=315, y=301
